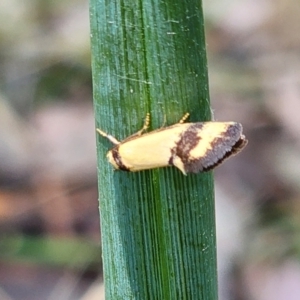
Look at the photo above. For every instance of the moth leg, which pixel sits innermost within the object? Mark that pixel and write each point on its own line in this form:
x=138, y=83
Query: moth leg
x=183, y=119
x=108, y=136
x=145, y=126
x=177, y=162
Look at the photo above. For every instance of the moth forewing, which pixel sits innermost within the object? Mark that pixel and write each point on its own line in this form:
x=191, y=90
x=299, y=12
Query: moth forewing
x=191, y=147
x=148, y=151
x=220, y=140
x=215, y=135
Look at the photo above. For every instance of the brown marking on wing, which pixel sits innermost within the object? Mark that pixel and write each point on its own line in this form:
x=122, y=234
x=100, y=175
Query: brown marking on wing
x=118, y=159
x=229, y=142
x=188, y=140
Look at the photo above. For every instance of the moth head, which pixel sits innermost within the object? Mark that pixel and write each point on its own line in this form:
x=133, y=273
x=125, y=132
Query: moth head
x=111, y=159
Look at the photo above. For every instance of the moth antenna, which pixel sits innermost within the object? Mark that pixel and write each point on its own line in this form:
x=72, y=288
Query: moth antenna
x=108, y=136
x=183, y=119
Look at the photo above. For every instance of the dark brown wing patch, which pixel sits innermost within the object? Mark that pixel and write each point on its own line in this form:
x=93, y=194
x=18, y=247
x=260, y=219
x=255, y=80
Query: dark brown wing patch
x=189, y=139
x=228, y=142
x=117, y=158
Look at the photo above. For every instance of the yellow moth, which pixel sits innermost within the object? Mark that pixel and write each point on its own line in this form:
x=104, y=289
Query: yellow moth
x=190, y=147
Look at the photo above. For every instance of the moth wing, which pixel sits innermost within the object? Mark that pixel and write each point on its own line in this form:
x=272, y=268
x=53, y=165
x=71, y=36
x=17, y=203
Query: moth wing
x=152, y=150
x=216, y=141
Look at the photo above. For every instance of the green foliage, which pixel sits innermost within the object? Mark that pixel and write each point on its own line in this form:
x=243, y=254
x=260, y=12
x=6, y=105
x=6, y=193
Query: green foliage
x=60, y=252
x=158, y=230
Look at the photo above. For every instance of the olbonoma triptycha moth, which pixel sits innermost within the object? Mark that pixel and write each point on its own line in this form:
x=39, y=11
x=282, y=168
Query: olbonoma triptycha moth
x=190, y=147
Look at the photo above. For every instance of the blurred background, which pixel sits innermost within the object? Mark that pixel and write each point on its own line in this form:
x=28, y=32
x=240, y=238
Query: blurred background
x=49, y=221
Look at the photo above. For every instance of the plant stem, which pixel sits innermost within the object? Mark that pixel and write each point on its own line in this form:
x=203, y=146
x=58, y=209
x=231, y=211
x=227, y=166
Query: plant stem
x=158, y=226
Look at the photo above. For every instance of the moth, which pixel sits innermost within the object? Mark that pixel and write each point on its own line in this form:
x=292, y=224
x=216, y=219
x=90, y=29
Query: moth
x=190, y=147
